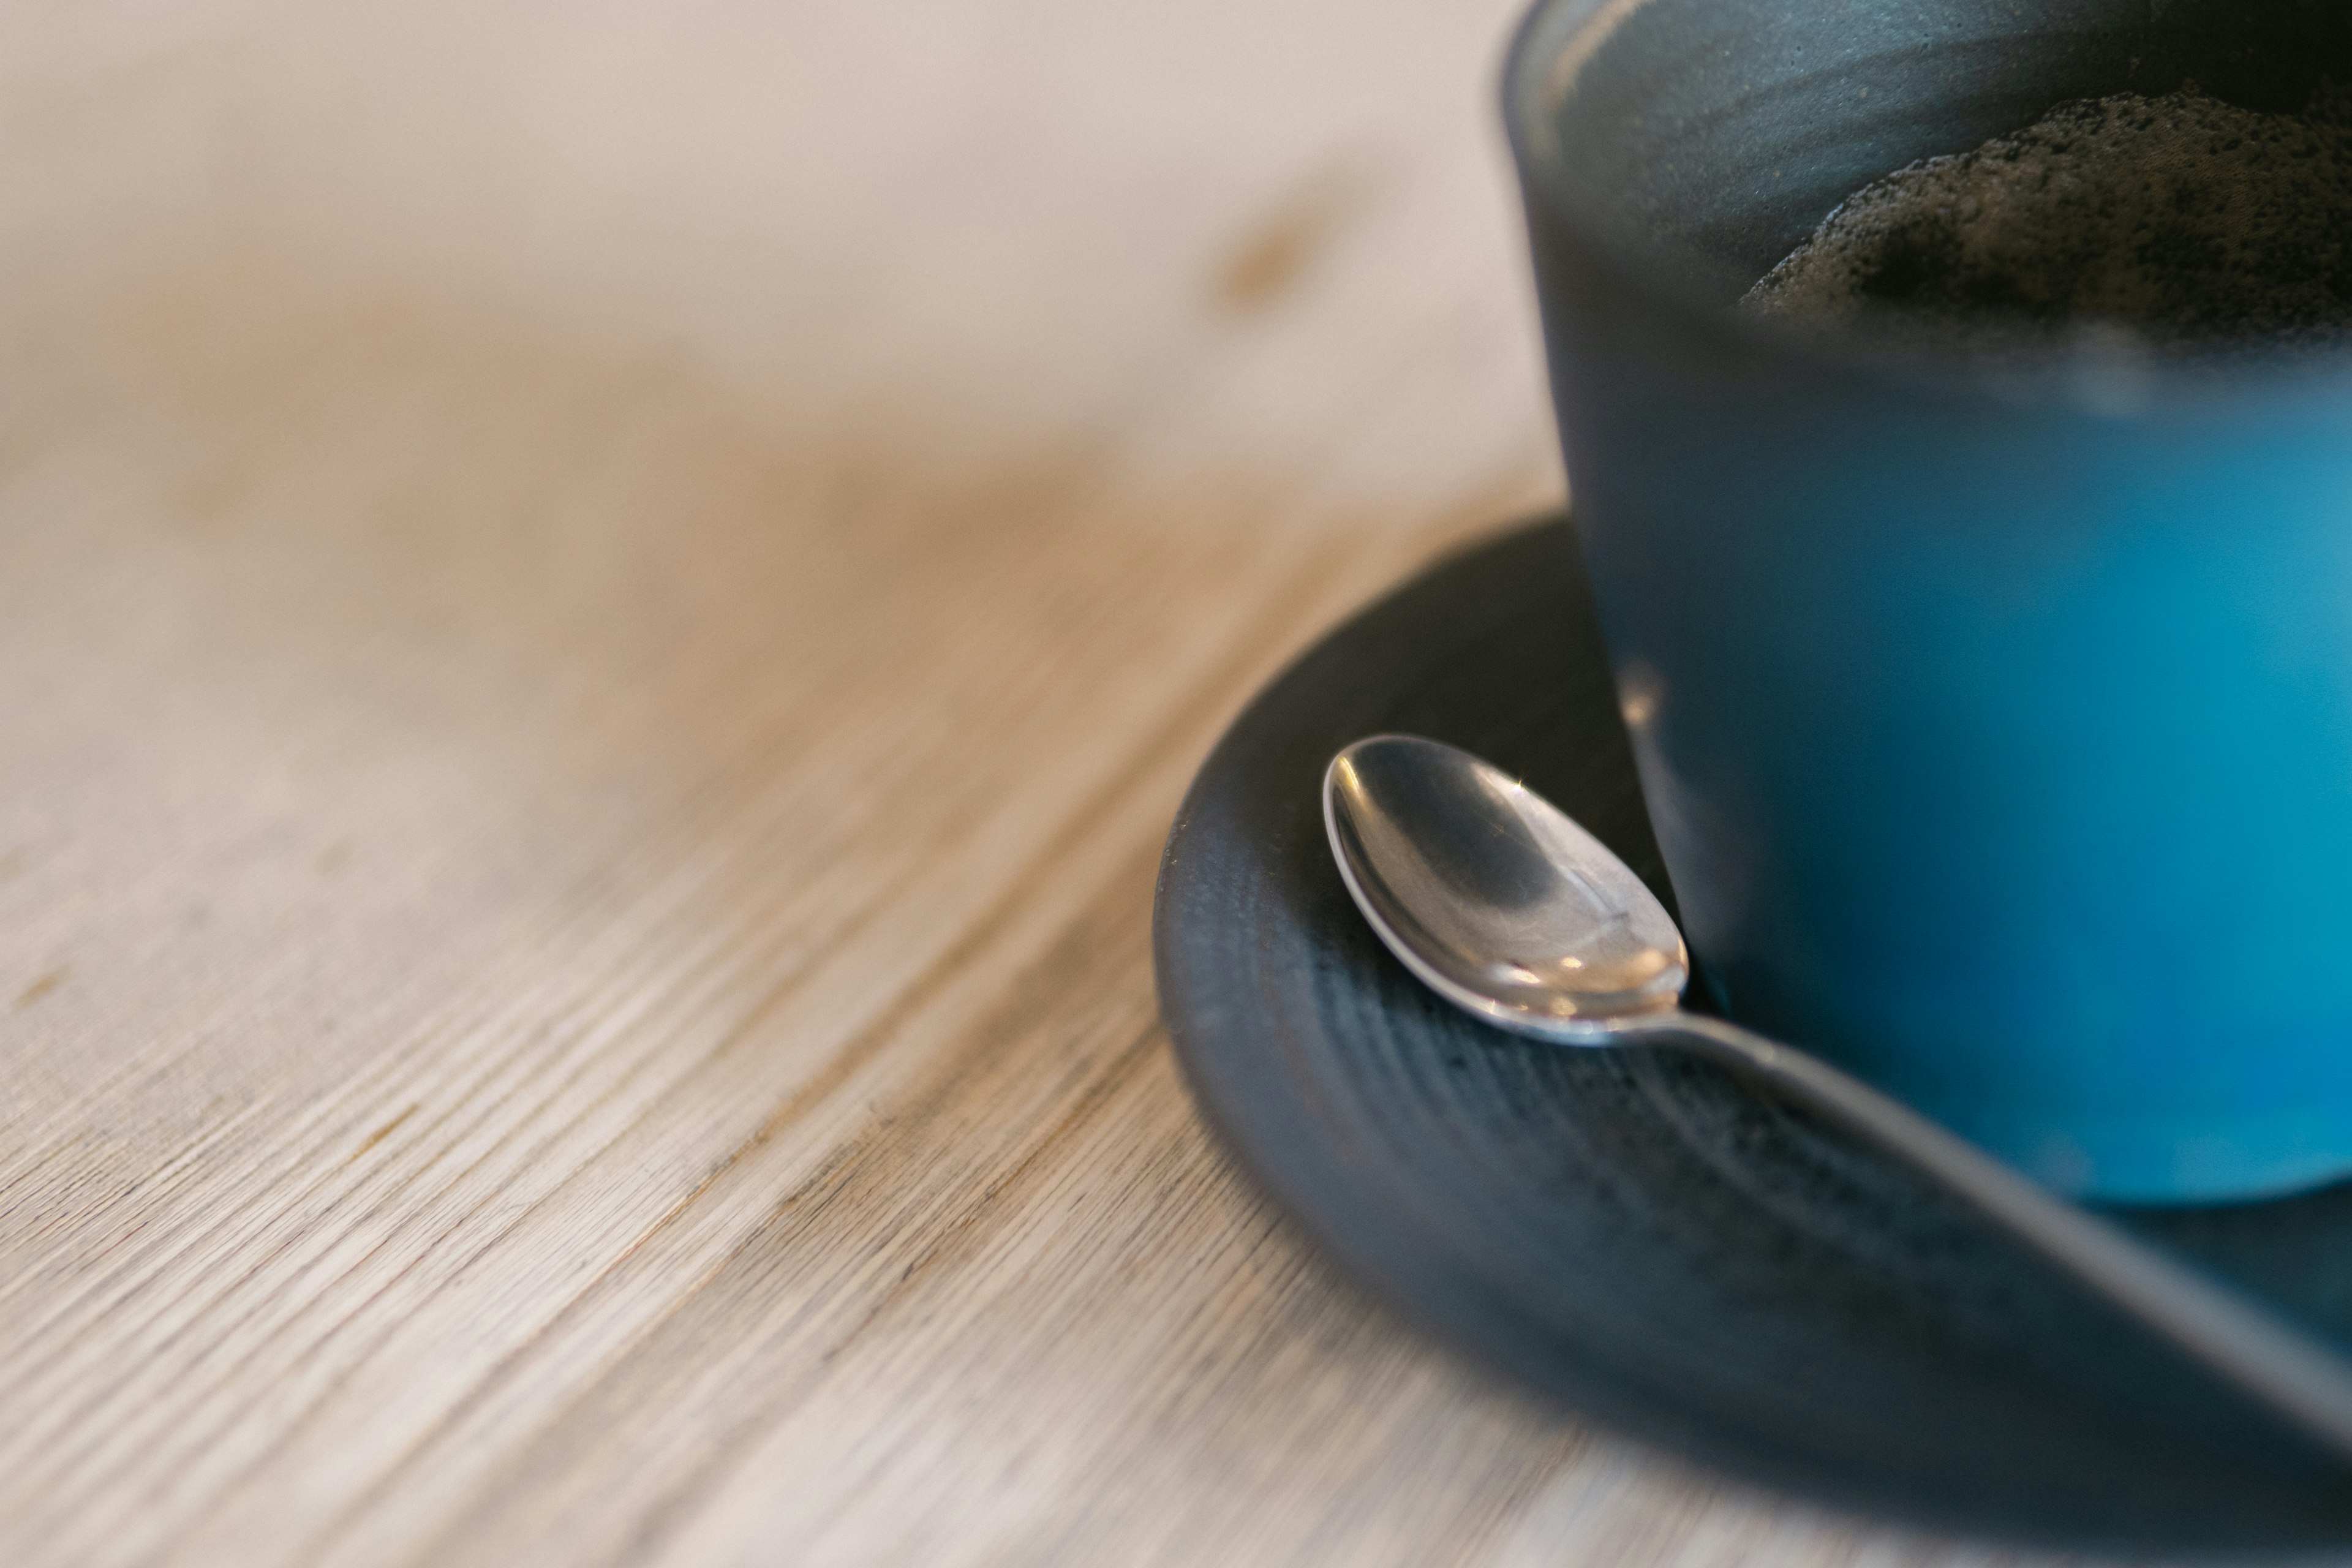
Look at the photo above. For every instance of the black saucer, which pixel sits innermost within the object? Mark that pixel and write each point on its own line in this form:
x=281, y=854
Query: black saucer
x=1639, y=1235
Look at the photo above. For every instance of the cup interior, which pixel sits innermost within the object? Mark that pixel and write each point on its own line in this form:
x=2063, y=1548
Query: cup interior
x=1712, y=136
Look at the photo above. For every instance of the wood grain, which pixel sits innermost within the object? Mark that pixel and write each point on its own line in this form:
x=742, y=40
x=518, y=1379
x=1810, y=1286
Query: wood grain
x=601, y=611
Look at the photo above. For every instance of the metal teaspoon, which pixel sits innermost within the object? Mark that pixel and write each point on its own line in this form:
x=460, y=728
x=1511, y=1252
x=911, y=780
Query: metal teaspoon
x=1501, y=904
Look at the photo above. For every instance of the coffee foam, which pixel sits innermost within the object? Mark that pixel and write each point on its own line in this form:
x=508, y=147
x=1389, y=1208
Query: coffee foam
x=2188, y=222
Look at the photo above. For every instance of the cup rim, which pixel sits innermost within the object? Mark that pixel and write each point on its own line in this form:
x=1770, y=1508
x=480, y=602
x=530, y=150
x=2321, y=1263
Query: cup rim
x=1570, y=34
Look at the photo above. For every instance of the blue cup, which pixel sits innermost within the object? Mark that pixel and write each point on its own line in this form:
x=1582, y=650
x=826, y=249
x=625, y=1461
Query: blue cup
x=1996, y=720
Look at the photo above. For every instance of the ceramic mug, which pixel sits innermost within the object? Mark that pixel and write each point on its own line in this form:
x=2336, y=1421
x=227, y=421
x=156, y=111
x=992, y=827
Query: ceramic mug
x=1996, y=721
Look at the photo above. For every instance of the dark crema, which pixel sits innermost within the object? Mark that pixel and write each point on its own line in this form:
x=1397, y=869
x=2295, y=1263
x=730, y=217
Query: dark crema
x=2185, y=221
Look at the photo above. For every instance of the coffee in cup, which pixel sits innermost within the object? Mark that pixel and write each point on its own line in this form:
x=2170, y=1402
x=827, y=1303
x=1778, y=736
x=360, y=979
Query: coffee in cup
x=2182, y=221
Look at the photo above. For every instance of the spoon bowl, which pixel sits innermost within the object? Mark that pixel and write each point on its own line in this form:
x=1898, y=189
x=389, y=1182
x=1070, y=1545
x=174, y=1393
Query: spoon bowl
x=1501, y=902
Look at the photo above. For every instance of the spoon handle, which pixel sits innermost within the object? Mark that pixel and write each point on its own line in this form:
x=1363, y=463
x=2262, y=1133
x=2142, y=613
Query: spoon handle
x=2289, y=1372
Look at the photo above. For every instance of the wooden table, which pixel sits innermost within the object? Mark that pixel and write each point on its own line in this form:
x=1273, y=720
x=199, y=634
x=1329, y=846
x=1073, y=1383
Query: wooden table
x=603, y=608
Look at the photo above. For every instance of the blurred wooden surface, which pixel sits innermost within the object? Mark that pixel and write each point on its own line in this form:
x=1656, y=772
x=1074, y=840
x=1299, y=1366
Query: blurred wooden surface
x=603, y=608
